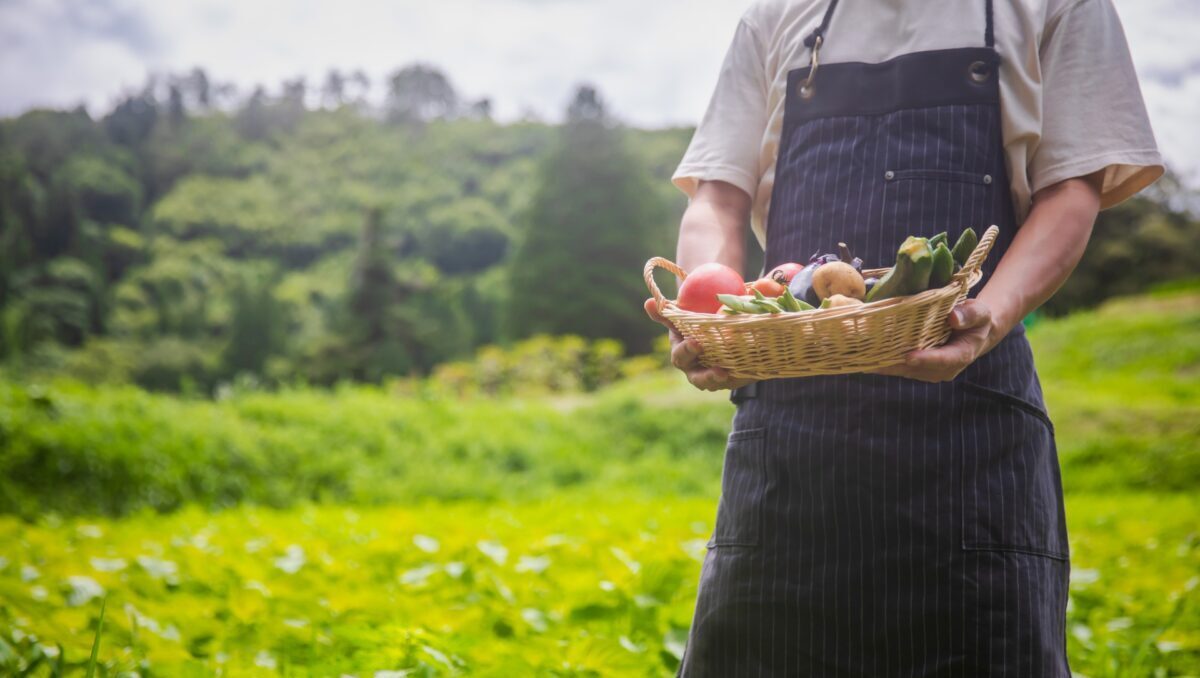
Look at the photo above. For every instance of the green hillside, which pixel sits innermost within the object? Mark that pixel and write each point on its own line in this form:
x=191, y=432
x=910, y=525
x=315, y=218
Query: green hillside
x=184, y=246
x=1121, y=383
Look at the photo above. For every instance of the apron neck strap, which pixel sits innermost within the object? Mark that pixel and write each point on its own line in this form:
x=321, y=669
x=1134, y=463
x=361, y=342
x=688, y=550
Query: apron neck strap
x=989, y=35
x=818, y=33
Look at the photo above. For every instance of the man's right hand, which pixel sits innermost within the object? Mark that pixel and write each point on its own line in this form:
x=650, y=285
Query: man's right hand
x=685, y=355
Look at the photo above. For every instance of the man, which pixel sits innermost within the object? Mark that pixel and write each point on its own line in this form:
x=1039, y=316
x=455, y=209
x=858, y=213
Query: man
x=910, y=522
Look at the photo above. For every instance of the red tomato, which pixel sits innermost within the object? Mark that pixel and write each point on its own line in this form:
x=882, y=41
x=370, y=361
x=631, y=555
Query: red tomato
x=769, y=287
x=783, y=273
x=700, y=289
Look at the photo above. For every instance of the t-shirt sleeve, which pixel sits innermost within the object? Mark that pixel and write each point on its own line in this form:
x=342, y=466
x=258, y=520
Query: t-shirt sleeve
x=1093, y=115
x=728, y=140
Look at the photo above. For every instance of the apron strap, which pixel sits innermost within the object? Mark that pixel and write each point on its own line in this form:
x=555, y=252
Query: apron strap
x=989, y=36
x=741, y=394
x=819, y=31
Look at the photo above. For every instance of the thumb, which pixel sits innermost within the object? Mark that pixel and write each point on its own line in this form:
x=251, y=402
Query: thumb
x=651, y=307
x=970, y=313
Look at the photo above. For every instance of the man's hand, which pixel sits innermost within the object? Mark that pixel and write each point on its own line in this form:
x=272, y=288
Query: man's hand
x=685, y=355
x=973, y=334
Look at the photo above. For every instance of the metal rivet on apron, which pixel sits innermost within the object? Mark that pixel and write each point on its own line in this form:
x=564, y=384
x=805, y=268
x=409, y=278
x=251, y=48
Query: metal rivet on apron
x=889, y=175
x=806, y=91
x=979, y=71
x=987, y=178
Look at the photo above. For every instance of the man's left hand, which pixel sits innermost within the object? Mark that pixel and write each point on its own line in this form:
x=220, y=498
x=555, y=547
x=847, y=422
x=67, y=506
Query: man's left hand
x=972, y=335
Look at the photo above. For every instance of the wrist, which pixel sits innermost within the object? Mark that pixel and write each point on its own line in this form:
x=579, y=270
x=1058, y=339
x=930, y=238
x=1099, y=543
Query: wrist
x=1005, y=314
x=996, y=332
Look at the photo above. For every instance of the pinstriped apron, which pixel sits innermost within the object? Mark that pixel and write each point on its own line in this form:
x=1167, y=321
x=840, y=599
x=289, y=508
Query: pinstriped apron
x=872, y=525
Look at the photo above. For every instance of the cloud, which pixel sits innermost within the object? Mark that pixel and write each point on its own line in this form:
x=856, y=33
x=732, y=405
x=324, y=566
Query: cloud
x=655, y=63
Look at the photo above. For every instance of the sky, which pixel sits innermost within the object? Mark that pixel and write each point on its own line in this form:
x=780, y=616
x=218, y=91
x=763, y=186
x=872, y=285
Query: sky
x=654, y=61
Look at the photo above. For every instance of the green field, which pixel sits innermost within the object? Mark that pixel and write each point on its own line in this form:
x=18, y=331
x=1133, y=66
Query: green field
x=357, y=531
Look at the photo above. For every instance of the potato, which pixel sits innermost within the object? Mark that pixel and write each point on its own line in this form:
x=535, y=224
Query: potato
x=838, y=277
x=837, y=300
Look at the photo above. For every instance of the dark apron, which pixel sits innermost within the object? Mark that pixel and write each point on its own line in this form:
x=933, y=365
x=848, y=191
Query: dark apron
x=872, y=525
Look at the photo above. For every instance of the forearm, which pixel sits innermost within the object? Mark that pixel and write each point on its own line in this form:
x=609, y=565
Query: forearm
x=1043, y=254
x=713, y=227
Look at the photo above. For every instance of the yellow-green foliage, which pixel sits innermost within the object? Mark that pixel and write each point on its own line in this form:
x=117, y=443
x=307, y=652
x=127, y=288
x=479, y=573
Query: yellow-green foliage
x=1121, y=383
x=1123, y=386
x=564, y=587
x=552, y=536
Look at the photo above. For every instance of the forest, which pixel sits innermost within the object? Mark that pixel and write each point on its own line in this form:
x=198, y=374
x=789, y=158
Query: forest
x=353, y=379
x=189, y=238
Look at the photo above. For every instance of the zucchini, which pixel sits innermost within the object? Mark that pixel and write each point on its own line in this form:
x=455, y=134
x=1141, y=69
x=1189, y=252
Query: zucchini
x=965, y=246
x=937, y=240
x=914, y=262
x=943, y=267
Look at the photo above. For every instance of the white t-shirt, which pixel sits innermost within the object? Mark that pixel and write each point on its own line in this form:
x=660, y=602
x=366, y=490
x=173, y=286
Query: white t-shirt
x=1069, y=97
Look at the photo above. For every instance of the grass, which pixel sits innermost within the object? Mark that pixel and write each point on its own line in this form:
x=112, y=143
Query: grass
x=361, y=533
x=1122, y=383
x=561, y=587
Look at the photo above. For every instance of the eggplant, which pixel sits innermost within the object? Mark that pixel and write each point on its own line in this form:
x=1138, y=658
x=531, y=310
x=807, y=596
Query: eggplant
x=801, y=286
x=870, y=283
x=846, y=256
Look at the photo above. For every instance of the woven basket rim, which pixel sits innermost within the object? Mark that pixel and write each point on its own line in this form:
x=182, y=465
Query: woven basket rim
x=671, y=309
x=966, y=278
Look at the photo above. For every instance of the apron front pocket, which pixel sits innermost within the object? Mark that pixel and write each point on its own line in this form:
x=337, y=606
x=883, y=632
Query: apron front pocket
x=743, y=483
x=1011, y=486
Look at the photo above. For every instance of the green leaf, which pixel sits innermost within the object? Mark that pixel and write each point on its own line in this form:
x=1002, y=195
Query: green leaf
x=91, y=669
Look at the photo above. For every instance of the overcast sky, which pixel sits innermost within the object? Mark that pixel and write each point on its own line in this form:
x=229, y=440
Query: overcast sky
x=654, y=61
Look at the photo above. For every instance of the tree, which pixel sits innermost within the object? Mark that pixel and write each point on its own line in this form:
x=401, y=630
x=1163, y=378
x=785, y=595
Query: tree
x=201, y=89
x=176, y=108
x=480, y=109
x=253, y=120
x=360, y=88
x=420, y=93
x=132, y=121
x=295, y=92
x=1145, y=241
x=333, y=93
x=590, y=225
x=375, y=332
x=256, y=328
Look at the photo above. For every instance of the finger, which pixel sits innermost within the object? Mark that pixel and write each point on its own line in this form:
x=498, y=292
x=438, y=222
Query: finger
x=949, y=359
x=970, y=313
x=651, y=307
x=711, y=379
x=685, y=354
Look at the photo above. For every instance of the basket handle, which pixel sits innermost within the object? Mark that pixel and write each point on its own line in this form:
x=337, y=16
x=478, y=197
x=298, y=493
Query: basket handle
x=980, y=252
x=648, y=274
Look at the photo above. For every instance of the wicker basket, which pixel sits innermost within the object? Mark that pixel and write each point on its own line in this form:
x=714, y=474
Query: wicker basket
x=830, y=341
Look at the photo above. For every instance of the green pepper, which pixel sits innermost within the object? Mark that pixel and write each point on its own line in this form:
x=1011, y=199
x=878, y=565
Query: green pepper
x=965, y=246
x=943, y=267
x=910, y=275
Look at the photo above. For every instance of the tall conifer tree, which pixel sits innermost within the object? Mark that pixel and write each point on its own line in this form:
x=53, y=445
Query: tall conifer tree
x=589, y=229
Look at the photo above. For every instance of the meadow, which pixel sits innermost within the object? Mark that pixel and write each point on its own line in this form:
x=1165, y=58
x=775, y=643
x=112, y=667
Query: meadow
x=362, y=531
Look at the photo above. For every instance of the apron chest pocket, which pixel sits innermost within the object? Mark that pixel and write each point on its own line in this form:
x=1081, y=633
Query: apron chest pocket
x=1011, y=486
x=743, y=482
